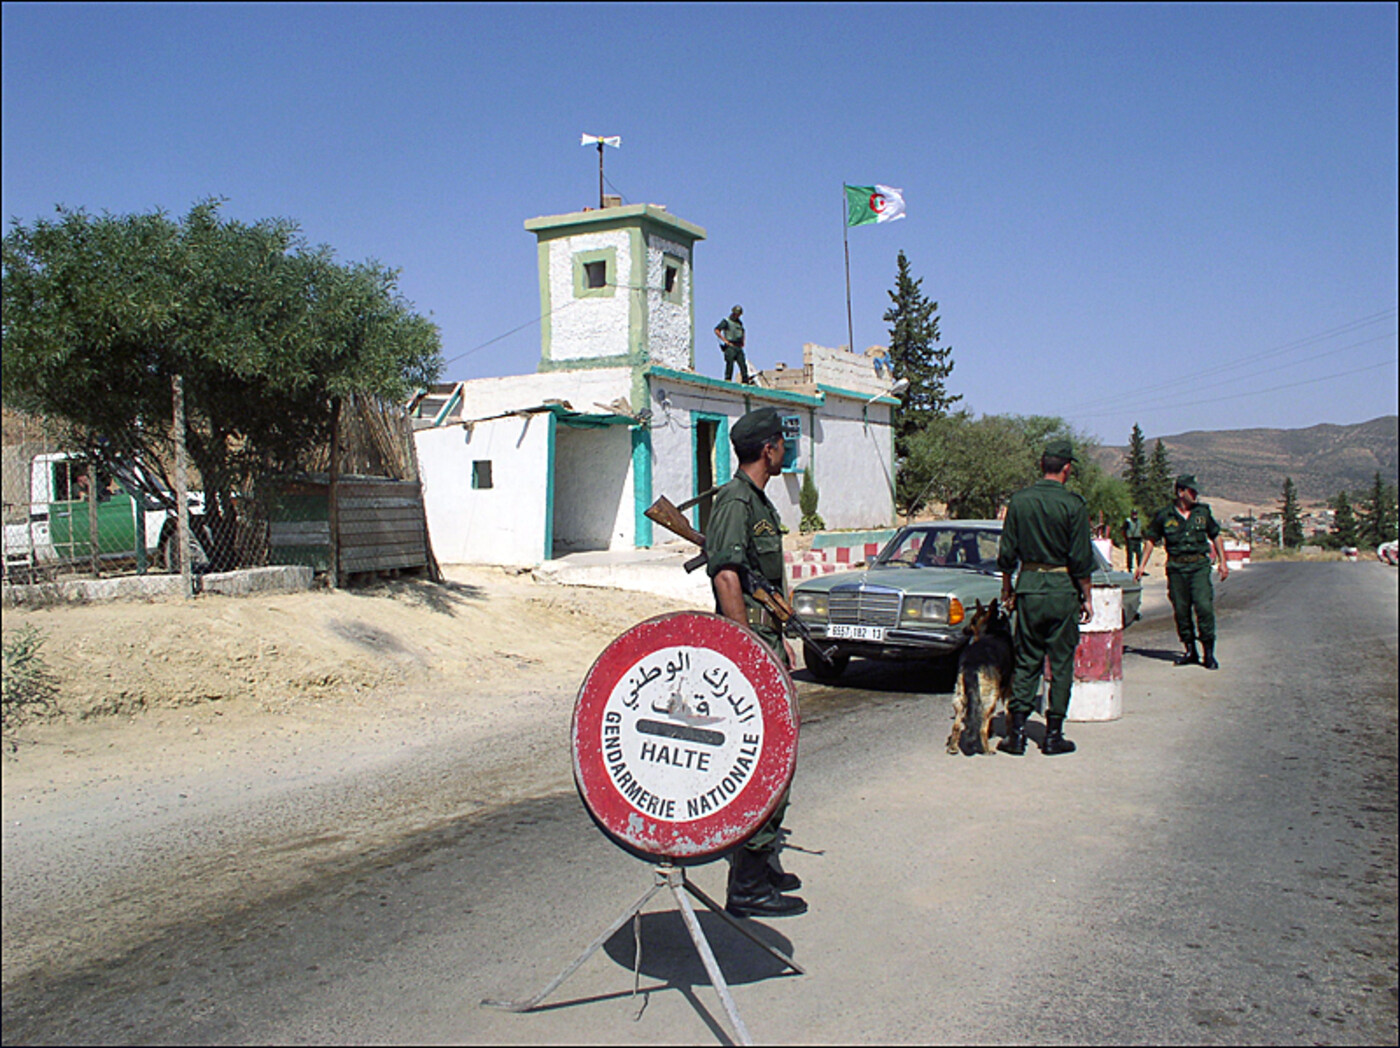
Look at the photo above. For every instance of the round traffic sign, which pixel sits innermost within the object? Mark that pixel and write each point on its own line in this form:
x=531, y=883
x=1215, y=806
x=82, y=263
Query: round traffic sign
x=684, y=736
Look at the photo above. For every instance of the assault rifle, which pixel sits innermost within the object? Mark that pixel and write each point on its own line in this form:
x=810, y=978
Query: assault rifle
x=755, y=585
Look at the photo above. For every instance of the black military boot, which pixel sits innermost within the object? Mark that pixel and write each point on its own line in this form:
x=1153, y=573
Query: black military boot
x=1015, y=741
x=779, y=878
x=751, y=894
x=1208, y=647
x=1055, y=741
x=1189, y=658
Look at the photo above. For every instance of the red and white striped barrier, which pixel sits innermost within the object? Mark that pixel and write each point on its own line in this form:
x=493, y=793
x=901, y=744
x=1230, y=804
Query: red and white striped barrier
x=1236, y=555
x=807, y=564
x=1097, y=693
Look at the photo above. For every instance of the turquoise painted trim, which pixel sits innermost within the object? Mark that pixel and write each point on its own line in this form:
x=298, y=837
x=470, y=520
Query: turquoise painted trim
x=722, y=473
x=641, y=488
x=452, y=402
x=747, y=392
x=836, y=391
x=553, y=226
x=549, y=492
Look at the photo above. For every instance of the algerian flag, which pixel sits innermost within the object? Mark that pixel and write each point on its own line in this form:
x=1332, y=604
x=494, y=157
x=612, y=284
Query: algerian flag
x=866, y=204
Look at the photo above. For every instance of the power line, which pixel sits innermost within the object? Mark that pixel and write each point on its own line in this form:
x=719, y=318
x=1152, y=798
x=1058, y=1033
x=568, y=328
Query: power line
x=512, y=331
x=1252, y=393
x=1167, y=400
x=1280, y=350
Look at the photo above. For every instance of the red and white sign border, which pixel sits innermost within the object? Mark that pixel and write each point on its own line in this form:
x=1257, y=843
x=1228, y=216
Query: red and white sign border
x=704, y=837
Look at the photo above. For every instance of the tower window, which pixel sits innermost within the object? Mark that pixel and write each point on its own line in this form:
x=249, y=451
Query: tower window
x=481, y=473
x=595, y=274
x=671, y=274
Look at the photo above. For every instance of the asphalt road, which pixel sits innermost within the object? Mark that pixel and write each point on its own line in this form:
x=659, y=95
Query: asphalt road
x=1216, y=867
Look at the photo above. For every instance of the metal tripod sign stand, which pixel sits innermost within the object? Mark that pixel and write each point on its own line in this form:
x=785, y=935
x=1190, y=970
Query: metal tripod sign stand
x=684, y=743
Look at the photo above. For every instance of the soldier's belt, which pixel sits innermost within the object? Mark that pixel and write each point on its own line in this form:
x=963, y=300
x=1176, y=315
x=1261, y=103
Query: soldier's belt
x=764, y=618
x=1033, y=566
x=1186, y=558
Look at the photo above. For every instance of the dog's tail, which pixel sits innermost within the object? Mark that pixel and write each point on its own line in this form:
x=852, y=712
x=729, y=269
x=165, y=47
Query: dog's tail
x=970, y=683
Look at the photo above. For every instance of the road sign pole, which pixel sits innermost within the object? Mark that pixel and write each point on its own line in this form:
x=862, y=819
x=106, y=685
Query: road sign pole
x=684, y=743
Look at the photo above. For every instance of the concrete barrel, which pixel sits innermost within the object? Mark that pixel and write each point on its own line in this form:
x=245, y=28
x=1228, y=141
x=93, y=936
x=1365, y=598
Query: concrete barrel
x=1236, y=555
x=1097, y=694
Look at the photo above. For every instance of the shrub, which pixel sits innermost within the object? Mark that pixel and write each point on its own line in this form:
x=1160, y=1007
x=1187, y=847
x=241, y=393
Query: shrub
x=26, y=687
x=807, y=500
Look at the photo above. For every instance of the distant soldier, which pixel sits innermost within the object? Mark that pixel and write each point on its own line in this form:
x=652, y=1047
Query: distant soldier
x=730, y=331
x=1046, y=533
x=1188, y=530
x=1132, y=538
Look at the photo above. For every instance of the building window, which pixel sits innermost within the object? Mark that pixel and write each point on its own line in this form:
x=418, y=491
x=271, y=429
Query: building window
x=595, y=273
x=481, y=473
x=671, y=279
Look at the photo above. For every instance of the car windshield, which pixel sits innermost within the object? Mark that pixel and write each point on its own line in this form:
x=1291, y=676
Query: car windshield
x=943, y=547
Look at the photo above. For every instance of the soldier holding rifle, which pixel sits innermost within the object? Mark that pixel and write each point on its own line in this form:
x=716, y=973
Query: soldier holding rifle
x=744, y=531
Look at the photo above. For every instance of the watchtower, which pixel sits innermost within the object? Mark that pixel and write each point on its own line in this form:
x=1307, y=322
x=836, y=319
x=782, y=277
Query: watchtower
x=616, y=288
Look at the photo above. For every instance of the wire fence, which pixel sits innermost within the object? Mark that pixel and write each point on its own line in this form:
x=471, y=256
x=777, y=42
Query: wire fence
x=73, y=514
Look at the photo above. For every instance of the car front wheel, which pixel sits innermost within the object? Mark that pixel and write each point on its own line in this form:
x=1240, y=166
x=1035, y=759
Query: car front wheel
x=826, y=672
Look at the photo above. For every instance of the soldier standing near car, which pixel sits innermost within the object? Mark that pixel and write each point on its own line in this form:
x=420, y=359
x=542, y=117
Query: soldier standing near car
x=730, y=331
x=744, y=529
x=1188, y=530
x=1132, y=538
x=1046, y=533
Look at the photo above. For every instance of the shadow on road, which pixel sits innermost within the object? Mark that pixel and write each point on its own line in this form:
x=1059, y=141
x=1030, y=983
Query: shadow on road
x=1151, y=653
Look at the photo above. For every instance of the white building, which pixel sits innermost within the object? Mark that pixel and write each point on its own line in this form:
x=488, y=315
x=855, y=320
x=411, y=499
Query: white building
x=525, y=468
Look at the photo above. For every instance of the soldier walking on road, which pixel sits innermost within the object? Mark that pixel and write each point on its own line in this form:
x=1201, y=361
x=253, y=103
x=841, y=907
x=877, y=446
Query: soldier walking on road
x=1132, y=538
x=1046, y=532
x=1189, y=530
x=744, y=529
x=731, y=338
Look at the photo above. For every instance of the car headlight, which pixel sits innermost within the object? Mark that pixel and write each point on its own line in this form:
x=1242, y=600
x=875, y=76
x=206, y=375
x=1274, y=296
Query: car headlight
x=810, y=605
x=932, y=610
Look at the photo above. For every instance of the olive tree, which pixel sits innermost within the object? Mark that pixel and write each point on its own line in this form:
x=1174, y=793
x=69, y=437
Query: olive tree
x=100, y=314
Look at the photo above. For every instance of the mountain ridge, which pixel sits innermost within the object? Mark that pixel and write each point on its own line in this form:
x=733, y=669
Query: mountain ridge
x=1250, y=465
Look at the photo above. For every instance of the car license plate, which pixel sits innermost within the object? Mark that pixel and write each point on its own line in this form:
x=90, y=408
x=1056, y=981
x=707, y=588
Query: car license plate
x=856, y=632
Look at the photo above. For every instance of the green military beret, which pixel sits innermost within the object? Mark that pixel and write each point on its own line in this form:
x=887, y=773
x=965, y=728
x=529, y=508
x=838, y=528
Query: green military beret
x=1061, y=448
x=737, y=311
x=1188, y=480
x=756, y=427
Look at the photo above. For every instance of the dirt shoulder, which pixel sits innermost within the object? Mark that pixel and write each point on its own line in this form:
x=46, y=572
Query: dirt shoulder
x=211, y=752
x=129, y=673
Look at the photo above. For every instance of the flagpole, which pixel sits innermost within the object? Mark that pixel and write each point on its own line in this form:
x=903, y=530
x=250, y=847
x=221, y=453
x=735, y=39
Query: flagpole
x=846, y=242
x=600, y=174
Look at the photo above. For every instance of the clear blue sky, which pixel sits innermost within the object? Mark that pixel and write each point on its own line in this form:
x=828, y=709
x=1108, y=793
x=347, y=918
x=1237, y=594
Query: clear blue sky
x=1126, y=213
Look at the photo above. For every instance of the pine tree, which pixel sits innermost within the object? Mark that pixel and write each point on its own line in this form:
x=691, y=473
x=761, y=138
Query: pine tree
x=1378, y=518
x=916, y=355
x=1135, y=470
x=1344, y=523
x=1292, y=522
x=1159, y=478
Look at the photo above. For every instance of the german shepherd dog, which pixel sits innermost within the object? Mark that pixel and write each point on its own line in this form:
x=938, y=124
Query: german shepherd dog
x=984, y=675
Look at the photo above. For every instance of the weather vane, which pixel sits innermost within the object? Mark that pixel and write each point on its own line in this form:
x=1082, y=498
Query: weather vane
x=600, y=140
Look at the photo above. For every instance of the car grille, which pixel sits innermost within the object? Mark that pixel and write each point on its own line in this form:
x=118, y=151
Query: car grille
x=864, y=606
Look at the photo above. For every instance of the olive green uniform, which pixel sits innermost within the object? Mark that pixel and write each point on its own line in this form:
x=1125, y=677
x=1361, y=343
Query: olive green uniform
x=1046, y=532
x=744, y=529
x=1132, y=540
x=731, y=331
x=1187, y=541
